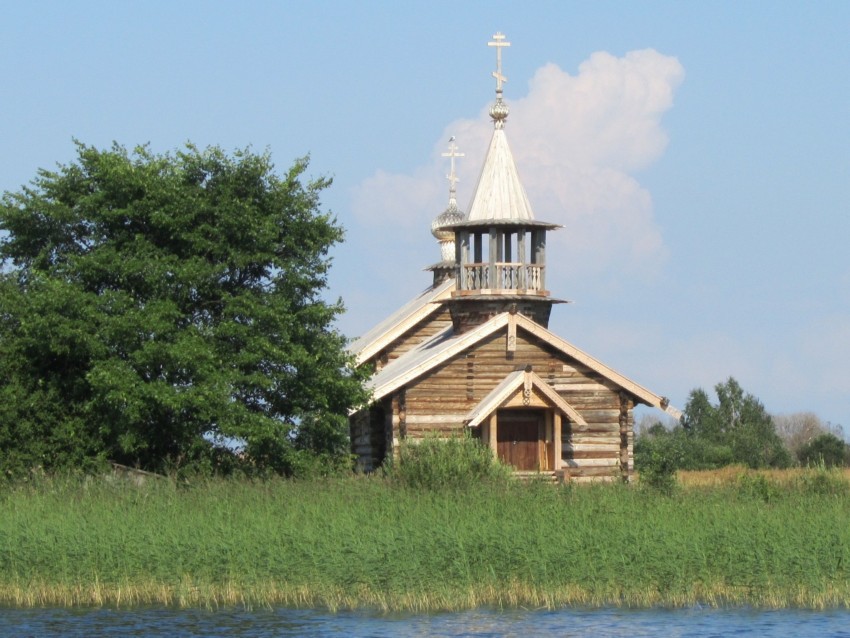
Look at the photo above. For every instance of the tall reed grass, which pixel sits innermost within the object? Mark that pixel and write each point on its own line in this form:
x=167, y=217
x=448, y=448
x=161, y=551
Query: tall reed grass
x=368, y=542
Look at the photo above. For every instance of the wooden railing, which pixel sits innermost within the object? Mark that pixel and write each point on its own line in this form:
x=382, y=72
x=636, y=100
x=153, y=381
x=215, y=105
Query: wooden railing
x=503, y=276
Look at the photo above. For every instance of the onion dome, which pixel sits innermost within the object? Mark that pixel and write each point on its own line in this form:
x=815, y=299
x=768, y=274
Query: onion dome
x=446, y=236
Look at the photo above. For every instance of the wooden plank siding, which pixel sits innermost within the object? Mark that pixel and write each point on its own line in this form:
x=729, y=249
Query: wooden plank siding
x=437, y=401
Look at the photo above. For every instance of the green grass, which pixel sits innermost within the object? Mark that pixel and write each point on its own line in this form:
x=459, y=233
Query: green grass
x=368, y=542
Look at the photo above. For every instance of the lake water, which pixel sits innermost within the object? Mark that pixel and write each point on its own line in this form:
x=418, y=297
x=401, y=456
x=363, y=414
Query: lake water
x=655, y=623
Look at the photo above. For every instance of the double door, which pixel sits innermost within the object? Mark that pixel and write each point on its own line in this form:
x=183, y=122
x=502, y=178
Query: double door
x=519, y=441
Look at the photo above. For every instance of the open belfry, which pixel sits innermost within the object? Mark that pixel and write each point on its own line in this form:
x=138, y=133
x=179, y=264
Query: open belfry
x=473, y=351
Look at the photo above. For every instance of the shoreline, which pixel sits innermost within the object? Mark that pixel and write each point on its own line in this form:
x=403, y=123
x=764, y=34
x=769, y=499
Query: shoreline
x=273, y=595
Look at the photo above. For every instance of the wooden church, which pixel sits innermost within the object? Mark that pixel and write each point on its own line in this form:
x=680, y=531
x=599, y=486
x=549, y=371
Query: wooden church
x=474, y=352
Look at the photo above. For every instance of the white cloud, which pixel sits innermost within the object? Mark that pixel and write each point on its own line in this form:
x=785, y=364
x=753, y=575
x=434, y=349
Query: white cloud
x=606, y=116
x=576, y=140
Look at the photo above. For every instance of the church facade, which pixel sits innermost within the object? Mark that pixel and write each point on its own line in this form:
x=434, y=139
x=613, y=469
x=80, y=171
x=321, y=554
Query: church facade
x=473, y=351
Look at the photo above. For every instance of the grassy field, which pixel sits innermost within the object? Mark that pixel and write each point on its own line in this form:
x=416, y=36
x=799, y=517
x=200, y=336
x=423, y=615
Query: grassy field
x=757, y=539
x=733, y=475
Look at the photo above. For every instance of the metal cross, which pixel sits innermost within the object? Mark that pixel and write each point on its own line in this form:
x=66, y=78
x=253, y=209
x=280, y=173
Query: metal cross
x=452, y=177
x=499, y=43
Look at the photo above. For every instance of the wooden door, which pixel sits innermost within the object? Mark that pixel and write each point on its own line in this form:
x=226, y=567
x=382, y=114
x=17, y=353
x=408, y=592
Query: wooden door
x=518, y=444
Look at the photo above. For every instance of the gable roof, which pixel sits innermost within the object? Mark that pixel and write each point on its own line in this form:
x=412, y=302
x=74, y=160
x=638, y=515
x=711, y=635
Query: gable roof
x=509, y=386
x=445, y=345
x=402, y=320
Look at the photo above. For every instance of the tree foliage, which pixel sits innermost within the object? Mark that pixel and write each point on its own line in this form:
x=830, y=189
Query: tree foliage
x=825, y=449
x=799, y=431
x=798, y=428
x=151, y=304
x=735, y=429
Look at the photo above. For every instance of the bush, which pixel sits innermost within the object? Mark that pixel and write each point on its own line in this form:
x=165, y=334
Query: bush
x=456, y=462
x=658, y=468
x=824, y=482
x=757, y=486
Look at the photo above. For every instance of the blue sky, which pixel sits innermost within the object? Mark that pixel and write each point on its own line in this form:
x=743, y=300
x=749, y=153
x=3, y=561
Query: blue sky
x=697, y=154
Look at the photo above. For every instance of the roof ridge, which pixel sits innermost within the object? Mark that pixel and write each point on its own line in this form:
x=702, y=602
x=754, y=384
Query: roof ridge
x=445, y=345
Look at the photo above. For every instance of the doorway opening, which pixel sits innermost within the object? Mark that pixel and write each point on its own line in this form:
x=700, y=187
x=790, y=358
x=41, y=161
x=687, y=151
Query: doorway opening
x=521, y=439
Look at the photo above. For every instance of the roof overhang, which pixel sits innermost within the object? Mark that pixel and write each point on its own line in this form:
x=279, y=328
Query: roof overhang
x=638, y=391
x=487, y=223
x=405, y=318
x=445, y=345
x=527, y=384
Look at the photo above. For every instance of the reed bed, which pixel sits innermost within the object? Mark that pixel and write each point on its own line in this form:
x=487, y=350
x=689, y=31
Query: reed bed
x=732, y=474
x=364, y=542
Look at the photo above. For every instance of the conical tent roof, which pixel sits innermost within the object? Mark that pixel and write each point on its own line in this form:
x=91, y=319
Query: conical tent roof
x=499, y=194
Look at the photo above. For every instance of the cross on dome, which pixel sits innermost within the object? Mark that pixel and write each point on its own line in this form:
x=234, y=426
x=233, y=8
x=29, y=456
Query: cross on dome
x=499, y=111
x=445, y=269
x=452, y=176
x=499, y=42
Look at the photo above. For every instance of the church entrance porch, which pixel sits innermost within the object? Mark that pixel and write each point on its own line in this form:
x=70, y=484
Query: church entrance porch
x=521, y=421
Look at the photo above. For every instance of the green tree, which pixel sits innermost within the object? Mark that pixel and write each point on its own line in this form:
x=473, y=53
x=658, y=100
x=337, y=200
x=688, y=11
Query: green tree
x=825, y=449
x=151, y=304
x=737, y=429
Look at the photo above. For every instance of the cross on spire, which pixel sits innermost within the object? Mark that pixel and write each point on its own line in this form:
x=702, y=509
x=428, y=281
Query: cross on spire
x=452, y=176
x=499, y=42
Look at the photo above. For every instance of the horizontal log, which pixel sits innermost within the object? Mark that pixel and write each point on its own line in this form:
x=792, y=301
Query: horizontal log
x=583, y=456
x=440, y=404
x=587, y=463
x=613, y=472
x=592, y=447
x=415, y=419
x=600, y=436
x=603, y=400
x=432, y=407
x=600, y=415
x=580, y=385
x=611, y=429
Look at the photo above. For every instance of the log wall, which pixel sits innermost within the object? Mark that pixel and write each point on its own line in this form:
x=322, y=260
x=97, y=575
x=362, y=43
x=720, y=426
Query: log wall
x=368, y=431
x=439, y=401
